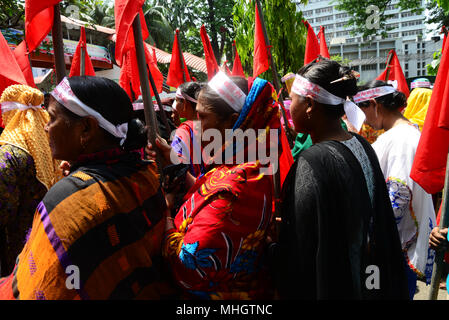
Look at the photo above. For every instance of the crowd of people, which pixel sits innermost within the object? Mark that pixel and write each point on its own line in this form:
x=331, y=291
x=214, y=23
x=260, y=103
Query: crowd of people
x=86, y=213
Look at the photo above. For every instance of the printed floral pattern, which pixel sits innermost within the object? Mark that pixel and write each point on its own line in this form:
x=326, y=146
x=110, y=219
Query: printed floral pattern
x=20, y=193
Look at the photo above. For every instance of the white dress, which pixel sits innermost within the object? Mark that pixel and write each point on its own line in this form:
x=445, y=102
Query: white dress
x=412, y=206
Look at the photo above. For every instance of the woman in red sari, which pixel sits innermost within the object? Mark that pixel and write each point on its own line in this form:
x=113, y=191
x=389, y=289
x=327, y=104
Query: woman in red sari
x=216, y=243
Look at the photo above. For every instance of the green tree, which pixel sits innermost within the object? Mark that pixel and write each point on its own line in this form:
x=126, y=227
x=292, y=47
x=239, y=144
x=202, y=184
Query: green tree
x=161, y=32
x=12, y=14
x=285, y=30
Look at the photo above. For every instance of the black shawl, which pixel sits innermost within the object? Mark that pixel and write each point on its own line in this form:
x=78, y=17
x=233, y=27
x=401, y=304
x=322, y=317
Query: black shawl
x=330, y=232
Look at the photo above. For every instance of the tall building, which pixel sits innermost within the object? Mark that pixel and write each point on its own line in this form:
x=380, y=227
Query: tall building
x=409, y=37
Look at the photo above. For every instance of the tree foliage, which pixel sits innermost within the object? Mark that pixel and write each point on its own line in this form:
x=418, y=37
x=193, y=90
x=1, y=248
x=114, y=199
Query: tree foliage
x=285, y=30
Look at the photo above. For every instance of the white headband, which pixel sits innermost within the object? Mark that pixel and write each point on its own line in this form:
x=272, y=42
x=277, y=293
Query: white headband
x=420, y=84
x=228, y=91
x=373, y=93
x=303, y=87
x=185, y=96
x=11, y=105
x=65, y=96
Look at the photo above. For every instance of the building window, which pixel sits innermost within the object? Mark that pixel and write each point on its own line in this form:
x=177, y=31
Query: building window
x=406, y=47
x=406, y=66
x=418, y=65
x=369, y=67
x=406, y=74
x=419, y=72
x=423, y=45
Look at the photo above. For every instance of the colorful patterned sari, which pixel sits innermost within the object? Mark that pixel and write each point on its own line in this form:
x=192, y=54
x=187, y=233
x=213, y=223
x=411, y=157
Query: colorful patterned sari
x=217, y=248
x=96, y=235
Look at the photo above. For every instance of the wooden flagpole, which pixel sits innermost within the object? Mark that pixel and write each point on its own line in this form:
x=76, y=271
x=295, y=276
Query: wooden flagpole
x=150, y=114
x=275, y=76
x=388, y=67
x=82, y=62
x=58, y=44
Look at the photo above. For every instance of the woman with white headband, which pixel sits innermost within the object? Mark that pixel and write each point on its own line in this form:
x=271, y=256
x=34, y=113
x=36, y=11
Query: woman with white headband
x=337, y=222
x=412, y=206
x=184, y=142
x=97, y=233
x=215, y=244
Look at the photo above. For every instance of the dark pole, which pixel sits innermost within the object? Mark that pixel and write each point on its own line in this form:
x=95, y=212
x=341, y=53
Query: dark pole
x=82, y=62
x=275, y=76
x=150, y=114
x=439, y=254
x=58, y=44
x=390, y=57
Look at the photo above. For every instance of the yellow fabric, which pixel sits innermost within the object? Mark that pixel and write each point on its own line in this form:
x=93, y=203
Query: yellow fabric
x=289, y=82
x=417, y=105
x=25, y=130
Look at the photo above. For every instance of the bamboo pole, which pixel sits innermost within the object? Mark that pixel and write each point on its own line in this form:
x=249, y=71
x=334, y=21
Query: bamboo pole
x=439, y=254
x=82, y=62
x=388, y=67
x=150, y=114
x=58, y=44
x=275, y=76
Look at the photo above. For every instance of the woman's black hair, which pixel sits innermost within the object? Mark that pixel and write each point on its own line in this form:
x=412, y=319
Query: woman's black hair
x=323, y=73
x=216, y=104
x=107, y=98
x=392, y=101
x=192, y=89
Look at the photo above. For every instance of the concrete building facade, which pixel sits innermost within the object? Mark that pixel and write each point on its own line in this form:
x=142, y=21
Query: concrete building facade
x=409, y=36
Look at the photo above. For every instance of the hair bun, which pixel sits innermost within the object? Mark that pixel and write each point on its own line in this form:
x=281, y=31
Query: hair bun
x=136, y=137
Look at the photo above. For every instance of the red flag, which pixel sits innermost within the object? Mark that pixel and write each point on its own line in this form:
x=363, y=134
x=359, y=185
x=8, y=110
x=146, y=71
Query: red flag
x=324, y=52
x=176, y=74
x=237, y=69
x=129, y=74
x=125, y=12
x=396, y=76
x=75, y=70
x=10, y=71
x=225, y=68
x=429, y=165
x=261, y=62
x=312, y=45
x=22, y=57
x=38, y=21
x=286, y=158
x=211, y=62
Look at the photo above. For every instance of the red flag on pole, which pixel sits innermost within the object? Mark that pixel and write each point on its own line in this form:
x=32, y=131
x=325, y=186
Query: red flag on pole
x=75, y=69
x=21, y=56
x=396, y=76
x=312, y=45
x=429, y=165
x=237, y=69
x=125, y=12
x=261, y=62
x=324, y=52
x=129, y=74
x=225, y=68
x=211, y=62
x=38, y=21
x=10, y=71
x=176, y=73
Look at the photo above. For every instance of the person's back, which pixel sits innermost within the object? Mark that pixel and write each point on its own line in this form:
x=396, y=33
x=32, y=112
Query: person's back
x=338, y=238
x=349, y=234
x=102, y=223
